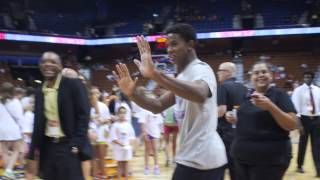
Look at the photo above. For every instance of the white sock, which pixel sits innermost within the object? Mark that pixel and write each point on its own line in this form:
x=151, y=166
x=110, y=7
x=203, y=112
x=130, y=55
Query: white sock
x=9, y=170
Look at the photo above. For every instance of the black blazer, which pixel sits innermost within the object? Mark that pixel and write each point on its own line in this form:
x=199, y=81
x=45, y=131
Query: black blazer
x=74, y=110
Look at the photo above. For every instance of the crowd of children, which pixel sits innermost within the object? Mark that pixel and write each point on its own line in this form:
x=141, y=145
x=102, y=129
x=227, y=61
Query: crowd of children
x=115, y=123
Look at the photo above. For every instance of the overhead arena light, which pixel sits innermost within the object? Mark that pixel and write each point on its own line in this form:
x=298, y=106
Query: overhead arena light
x=38, y=81
x=128, y=40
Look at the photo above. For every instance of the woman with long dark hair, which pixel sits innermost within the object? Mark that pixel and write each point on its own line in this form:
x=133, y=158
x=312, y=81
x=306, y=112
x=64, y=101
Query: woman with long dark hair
x=262, y=147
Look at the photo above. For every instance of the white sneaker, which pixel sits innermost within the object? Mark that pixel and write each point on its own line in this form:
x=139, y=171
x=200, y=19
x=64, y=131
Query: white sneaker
x=9, y=175
x=156, y=171
x=146, y=171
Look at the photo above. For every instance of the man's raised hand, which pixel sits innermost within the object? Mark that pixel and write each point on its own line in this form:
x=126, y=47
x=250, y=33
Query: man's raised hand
x=145, y=65
x=124, y=80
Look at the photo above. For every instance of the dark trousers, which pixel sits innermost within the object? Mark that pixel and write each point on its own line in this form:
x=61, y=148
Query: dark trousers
x=226, y=133
x=311, y=126
x=60, y=163
x=188, y=173
x=230, y=165
x=260, y=172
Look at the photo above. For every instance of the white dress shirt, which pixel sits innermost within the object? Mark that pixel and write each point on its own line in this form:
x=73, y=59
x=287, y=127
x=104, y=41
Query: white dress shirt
x=302, y=100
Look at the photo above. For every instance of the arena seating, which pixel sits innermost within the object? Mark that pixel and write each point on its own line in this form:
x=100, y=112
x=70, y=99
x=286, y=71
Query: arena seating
x=290, y=60
x=62, y=24
x=205, y=15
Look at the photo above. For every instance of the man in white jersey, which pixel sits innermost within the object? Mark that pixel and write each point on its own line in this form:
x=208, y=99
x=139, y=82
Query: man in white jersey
x=202, y=153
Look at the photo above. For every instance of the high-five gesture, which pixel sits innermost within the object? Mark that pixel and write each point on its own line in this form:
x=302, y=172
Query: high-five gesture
x=146, y=65
x=124, y=80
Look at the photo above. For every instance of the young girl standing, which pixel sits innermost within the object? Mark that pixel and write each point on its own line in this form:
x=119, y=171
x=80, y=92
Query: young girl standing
x=100, y=117
x=151, y=125
x=121, y=136
x=10, y=133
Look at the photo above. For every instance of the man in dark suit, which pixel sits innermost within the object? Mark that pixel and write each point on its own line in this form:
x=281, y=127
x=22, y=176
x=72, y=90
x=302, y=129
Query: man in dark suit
x=230, y=94
x=61, y=123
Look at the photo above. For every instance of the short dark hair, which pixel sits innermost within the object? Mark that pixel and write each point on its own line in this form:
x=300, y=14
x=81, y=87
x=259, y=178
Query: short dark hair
x=6, y=90
x=309, y=73
x=19, y=91
x=269, y=65
x=121, y=107
x=186, y=31
x=30, y=91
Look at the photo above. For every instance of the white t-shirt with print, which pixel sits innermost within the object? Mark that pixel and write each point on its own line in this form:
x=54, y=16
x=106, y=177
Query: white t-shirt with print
x=152, y=123
x=200, y=145
x=124, y=133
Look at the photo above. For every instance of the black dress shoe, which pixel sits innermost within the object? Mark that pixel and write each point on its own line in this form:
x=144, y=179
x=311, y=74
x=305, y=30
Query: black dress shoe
x=300, y=170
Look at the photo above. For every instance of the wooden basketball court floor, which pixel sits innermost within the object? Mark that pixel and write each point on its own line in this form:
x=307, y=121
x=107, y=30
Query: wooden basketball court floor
x=166, y=173
x=137, y=166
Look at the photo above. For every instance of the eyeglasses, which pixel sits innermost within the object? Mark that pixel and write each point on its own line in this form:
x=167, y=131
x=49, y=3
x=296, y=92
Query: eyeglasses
x=307, y=76
x=223, y=70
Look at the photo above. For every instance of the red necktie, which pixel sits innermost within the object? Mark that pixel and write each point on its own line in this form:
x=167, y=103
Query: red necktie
x=312, y=101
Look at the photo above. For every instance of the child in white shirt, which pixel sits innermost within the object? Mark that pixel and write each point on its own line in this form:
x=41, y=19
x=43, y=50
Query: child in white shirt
x=151, y=129
x=99, y=127
x=121, y=136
